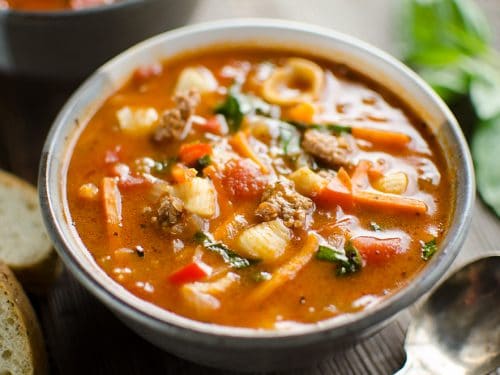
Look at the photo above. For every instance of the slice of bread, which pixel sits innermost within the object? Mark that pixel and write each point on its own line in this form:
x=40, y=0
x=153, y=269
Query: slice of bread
x=22, y=351
x=24, y=245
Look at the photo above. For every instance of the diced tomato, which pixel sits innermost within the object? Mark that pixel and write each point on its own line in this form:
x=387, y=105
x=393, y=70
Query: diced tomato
x=212, y=125
x=243, y=179
x=146, y=72
x=194, y=271
x=334, y=193
x=377, y=251
x=189, y=154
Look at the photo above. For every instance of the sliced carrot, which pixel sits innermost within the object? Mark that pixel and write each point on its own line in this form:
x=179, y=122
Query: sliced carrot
x=286, y=272
x=377, y=251
x=344, y=177
x=181, y=174
x=335, y=192
x=382, y=137
x=389, y=202
x=190, y=153
x=360, y=176
x=112, y=202
x=375, y=172
x=240, y=143
x=302, y=112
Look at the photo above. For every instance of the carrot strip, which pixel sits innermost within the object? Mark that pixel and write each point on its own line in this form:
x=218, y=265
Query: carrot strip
x=360, y=176
x=302, y=112
x=382, y=137
x=112, y=202
x=286, y=272
x=344, y=177
x=389, y=202
x=240, y=143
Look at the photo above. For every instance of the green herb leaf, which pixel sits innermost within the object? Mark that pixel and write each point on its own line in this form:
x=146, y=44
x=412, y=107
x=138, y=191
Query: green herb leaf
x=348, y=260
x=231, y=110
x=289, y=139
x=428, y=249
x=202, y=163
x=261, y=276
x=375, y=227
x=229, y=256
x=484, y=145
x=238, y=104
x=335, y=128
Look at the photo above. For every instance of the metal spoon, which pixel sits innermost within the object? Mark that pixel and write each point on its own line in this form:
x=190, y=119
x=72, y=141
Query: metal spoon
x=457, y=330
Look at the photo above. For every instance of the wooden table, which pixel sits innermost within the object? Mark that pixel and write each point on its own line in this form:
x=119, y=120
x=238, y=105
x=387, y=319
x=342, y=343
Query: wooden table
x=83, y=337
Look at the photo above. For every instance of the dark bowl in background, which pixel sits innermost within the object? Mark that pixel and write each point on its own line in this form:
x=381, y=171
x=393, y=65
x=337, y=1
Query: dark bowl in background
x=70, y=44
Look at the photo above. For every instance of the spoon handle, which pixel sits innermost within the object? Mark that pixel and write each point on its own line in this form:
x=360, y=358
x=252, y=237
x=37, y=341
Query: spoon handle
x=413, y=367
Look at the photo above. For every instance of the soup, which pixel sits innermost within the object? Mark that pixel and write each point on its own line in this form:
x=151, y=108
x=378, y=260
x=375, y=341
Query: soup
x=258, y=188
x=47, y=5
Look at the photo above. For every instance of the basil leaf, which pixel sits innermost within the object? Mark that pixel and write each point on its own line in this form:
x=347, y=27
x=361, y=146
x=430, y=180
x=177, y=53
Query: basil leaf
x=289, y=139
x=335, y=128
x=238, y=104
x=485, y=90
x=428, y=249
x=231, y=110
x=485, y=142
x=229, y=256
x=348, y=260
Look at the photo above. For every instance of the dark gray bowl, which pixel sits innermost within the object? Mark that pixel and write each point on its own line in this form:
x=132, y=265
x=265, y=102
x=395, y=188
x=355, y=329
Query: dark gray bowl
x=243, y=348
x=71, y=44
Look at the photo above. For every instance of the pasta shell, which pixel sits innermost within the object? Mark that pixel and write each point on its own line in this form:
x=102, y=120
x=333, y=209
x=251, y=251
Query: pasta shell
x=198, y=195
x=197, y=78
x=307, y=182
x=299, y=81
x=265, y=241
x=137, y=121
x=395, y=183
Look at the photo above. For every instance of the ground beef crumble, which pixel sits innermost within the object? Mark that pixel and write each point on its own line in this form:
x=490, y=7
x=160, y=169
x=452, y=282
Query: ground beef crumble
x=281, y=200
x=175, y=121
x=327, y=148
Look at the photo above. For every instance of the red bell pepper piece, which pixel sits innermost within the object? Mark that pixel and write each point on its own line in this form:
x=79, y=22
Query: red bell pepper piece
x=194, y=271
x=189, y=154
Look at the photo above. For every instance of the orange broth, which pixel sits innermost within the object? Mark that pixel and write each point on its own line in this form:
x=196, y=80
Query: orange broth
x=143, y=256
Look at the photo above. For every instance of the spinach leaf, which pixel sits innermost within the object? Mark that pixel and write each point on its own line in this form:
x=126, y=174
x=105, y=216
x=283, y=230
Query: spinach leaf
x=238, y=104
x=375, y=227
x=335, y=128
x=289, y=139
x=229, y=256
x=428, y=249
x=449, y=43
x=484, y=145
x=231, y=110
x=348, y=260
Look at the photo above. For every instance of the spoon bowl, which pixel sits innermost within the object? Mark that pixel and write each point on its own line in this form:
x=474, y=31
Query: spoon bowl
x=457, y=330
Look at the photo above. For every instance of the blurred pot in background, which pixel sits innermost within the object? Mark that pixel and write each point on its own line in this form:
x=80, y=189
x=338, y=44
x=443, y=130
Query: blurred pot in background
x=70, y=44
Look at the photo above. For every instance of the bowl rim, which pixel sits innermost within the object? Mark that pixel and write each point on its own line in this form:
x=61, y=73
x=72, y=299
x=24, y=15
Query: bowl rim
x=64, y=13
x=210, y=334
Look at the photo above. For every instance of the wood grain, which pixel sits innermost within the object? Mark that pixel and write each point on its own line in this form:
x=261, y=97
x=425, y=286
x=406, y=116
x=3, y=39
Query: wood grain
x=83, y=337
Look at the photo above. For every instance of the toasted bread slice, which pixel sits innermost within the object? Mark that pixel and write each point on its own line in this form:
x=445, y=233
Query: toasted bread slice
x=22, y=351
x=24, y=244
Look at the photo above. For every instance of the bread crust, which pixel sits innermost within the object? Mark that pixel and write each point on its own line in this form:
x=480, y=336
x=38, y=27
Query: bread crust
x=37, y=274
x=33, y=348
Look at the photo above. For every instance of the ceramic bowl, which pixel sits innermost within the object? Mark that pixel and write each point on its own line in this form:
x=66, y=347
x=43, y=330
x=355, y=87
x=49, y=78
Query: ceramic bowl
x=243, y=348
x=70, y=44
